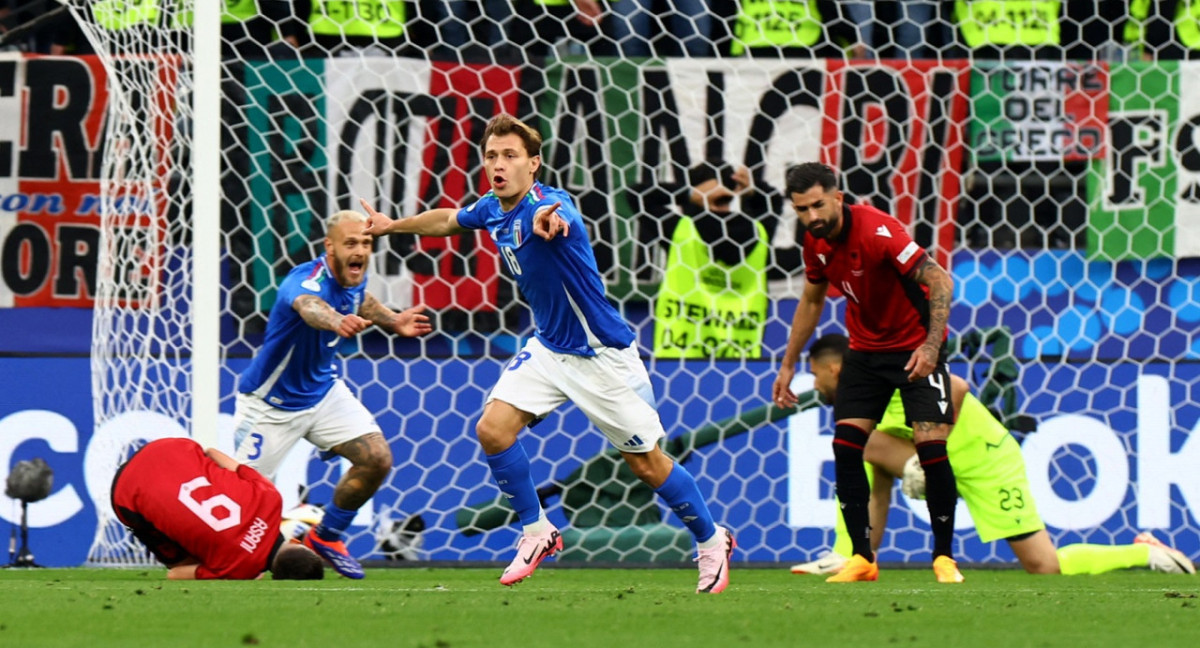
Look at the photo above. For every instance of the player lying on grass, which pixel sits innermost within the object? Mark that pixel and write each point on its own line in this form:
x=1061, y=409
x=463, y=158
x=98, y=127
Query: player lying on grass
x=204, y=515
x=992, y=481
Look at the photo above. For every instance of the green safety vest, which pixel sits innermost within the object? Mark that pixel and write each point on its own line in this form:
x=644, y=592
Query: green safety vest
x=706, y=309
x=776, y=23
x=1135, y=21
x=115, y=15
x=1187, y=24
x=380, y=18
x=238, y=11
x=1008, y=22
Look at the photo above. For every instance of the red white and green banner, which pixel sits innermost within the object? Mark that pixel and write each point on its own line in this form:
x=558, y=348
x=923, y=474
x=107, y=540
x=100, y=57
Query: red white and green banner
x=401, y=133
x=1025, y=111
x=1144, y=194
x=893, y=128
x=404, y=134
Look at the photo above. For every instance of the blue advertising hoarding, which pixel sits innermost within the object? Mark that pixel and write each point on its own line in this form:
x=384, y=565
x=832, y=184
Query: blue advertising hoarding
x=1095, y=479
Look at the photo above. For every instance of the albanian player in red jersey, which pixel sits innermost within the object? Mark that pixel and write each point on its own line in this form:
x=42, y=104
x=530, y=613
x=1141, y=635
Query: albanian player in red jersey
x=204, y=515
x=897, y=306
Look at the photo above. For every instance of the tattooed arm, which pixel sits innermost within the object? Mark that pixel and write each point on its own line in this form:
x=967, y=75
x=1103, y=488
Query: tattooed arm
x=320, y=315
x=410, y=323
x=941, y=290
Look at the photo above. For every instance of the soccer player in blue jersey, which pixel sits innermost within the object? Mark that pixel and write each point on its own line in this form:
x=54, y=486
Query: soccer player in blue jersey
x=582, y=349
x=292, y=391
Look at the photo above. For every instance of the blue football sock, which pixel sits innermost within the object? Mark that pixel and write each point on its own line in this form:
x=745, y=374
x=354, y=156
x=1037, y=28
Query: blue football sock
x=334, y=522
x=510, y=469
x=683, y=496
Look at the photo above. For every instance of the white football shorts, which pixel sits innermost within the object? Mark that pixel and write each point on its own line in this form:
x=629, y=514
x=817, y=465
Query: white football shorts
x=268, y=433
x=612, y=388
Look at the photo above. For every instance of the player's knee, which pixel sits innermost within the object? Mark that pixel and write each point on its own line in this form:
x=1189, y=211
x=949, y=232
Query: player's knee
x=493, y=437
x=652, y=468
x=380, y=462
x=643, y=470
x=374, y=458
x=1040, y=562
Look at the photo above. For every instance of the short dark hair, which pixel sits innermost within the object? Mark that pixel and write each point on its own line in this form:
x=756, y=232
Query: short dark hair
x=830, y=344
x=504, y=124
x=297, y=562
x=802, y=177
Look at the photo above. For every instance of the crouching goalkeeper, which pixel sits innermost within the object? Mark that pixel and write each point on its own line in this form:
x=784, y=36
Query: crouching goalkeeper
x=206, y=516
x=990, y=472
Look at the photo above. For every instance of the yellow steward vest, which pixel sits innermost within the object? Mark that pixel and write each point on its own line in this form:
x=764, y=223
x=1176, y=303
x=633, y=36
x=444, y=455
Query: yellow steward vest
x=706, y=309
x=115, y=15
x=776, y=23
x=380, y=18
x=1187, y=24
x=1008, y=22
x=237, y=11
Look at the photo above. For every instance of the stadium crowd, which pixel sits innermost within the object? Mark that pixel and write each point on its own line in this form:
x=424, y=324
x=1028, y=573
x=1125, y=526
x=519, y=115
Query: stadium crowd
x=491, y=29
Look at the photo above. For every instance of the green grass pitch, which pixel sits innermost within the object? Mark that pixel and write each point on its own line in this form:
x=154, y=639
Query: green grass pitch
x=615, y=608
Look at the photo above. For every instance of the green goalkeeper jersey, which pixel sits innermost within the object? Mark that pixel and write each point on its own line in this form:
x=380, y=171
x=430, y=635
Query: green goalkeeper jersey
x=975, y=423
x=988, y=469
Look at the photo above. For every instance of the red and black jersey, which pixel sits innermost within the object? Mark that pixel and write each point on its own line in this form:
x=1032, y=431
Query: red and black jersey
x=871, y=263
x=181, y=503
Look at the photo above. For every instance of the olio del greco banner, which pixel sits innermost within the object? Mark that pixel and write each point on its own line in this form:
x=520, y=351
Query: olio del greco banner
x=1144, y=194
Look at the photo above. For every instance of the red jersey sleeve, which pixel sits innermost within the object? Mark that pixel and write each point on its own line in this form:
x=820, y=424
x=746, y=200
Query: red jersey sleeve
x=899, y=248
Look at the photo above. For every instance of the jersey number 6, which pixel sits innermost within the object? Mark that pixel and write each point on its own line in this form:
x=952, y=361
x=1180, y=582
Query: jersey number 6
x=206, y=510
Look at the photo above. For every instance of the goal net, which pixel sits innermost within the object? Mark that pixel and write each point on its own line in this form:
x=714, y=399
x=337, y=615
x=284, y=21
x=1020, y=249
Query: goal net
x=142, y=320
x=1057, y=183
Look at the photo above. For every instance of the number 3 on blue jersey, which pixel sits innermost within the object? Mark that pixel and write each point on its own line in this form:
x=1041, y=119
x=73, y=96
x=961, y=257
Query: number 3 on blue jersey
x=256, y=441
x=510, y=259
x=517, y=360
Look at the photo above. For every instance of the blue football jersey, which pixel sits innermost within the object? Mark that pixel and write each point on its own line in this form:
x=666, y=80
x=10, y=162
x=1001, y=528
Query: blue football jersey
x=295, y=367
x=558, y=278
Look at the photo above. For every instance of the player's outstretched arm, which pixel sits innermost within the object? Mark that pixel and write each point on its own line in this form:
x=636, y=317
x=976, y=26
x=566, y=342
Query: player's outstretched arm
x=804, y=322
x=318, y=314
x=434, y=222
x=410, y=322
x=184, y=570
x=221, y=459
